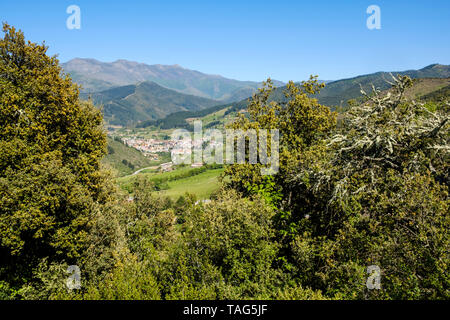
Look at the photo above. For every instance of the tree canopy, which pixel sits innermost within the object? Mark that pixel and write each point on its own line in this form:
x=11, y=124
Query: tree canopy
x=51, y=145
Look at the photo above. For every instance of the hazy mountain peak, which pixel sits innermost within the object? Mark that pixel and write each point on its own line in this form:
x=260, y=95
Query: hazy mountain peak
x=126, y=62
x=84, y=60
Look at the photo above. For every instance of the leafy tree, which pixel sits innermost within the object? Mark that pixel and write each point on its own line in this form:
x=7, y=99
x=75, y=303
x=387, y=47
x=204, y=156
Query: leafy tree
x=302, y=123
x=380, y=194
x=300, y=119
x=51, y=145
x=226, y=249
x=129, y=280
x=373, y=191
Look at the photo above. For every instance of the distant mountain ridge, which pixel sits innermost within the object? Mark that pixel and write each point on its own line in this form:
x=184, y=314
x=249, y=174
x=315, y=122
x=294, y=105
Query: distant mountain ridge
x=432, y=84
x=97, y=76
x=147, y=101
x=337, y=93
x=129, y=104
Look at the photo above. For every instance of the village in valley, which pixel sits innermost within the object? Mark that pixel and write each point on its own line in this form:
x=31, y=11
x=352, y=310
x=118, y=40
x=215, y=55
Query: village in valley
x=154, y=144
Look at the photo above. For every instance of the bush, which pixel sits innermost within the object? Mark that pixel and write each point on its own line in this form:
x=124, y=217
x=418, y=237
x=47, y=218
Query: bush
x=227, y=244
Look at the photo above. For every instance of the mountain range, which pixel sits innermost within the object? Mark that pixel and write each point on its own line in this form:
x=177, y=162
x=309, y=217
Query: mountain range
x=152, y=102
x=337, y=93
x=423, y=89
x=95, y=76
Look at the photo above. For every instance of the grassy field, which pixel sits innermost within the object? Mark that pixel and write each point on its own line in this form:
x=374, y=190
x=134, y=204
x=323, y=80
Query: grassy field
x=156, y=174
x=202, y=185
x=177, y=182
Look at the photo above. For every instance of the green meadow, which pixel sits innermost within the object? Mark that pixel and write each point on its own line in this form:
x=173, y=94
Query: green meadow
x=201, y=182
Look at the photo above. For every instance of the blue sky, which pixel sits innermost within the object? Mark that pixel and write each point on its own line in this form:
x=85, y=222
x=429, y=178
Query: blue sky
x=246, y=39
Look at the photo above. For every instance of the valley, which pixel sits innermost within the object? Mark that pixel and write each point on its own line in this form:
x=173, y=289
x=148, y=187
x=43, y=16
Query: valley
x=148, y=143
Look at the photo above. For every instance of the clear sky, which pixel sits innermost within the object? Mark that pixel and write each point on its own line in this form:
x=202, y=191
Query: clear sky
x=246, y=39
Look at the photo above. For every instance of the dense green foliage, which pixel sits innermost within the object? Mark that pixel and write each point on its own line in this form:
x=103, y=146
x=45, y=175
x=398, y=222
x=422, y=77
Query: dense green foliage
x=371, y=191
x=51, y=145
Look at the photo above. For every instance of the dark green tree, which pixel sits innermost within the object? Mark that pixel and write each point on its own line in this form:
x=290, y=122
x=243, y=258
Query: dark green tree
x=380, y=192
x=51, y=145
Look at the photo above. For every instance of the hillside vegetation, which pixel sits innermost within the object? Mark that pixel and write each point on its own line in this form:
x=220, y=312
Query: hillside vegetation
x=179, y=119
x=144, y=101
x=126, y=160
x=439, y=95
x=421, y=88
